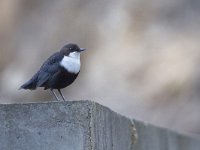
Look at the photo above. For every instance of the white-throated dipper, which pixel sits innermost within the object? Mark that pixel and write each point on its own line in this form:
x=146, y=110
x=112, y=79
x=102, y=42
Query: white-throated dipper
x=58, y=71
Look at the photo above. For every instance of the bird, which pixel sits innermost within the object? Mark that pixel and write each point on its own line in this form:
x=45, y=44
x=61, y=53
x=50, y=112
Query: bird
x=58, y=71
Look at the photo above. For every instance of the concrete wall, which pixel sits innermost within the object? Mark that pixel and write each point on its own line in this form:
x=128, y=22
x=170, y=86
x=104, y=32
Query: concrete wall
x=81, y=125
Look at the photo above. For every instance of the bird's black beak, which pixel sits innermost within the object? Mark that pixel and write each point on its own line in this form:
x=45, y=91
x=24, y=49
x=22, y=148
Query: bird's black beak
x=82, y=49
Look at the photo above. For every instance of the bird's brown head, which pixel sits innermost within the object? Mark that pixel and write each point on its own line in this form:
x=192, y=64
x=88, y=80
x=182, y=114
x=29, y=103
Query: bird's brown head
x=71, y=48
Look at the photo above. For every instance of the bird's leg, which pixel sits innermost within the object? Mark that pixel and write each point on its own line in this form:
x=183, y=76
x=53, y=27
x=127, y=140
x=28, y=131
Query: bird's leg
x=61, y=95
x=55, y=95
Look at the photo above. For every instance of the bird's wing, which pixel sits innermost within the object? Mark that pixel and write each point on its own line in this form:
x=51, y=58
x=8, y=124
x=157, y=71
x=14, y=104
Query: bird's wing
x=49, y=68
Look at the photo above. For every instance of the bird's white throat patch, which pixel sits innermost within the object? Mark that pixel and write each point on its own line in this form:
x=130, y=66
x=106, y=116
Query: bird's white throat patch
x=72, y=62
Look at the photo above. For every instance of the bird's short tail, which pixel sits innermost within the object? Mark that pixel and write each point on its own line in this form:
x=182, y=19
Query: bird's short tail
x=28, y=85
x=31, y=84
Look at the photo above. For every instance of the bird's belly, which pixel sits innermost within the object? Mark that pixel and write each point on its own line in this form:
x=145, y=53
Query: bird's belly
x=62, y=80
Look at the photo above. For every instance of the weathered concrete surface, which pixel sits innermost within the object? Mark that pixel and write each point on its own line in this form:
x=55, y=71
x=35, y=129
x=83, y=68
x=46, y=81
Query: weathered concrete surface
x=154, y=138
x=80, y=125
x=76, y=125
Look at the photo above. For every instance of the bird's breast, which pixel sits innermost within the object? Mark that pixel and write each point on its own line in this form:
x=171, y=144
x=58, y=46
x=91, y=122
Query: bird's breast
x=72, y=65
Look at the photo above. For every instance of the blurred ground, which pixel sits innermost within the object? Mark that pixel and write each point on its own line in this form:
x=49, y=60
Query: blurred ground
x=142, y=56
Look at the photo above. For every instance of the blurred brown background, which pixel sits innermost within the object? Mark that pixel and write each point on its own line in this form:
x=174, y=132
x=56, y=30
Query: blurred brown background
x=142, y=57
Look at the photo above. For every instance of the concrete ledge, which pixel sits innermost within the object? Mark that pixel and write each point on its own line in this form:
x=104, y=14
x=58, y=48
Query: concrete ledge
x=81, y=125
x=155, y=138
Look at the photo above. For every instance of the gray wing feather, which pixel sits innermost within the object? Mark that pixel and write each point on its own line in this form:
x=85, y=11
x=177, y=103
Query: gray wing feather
x=48, y=69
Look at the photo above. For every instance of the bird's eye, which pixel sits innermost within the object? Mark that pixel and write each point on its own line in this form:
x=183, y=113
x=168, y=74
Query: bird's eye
x=70, y=48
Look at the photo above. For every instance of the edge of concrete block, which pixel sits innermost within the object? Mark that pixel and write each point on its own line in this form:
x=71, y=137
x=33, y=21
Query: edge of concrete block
x=112, y=130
